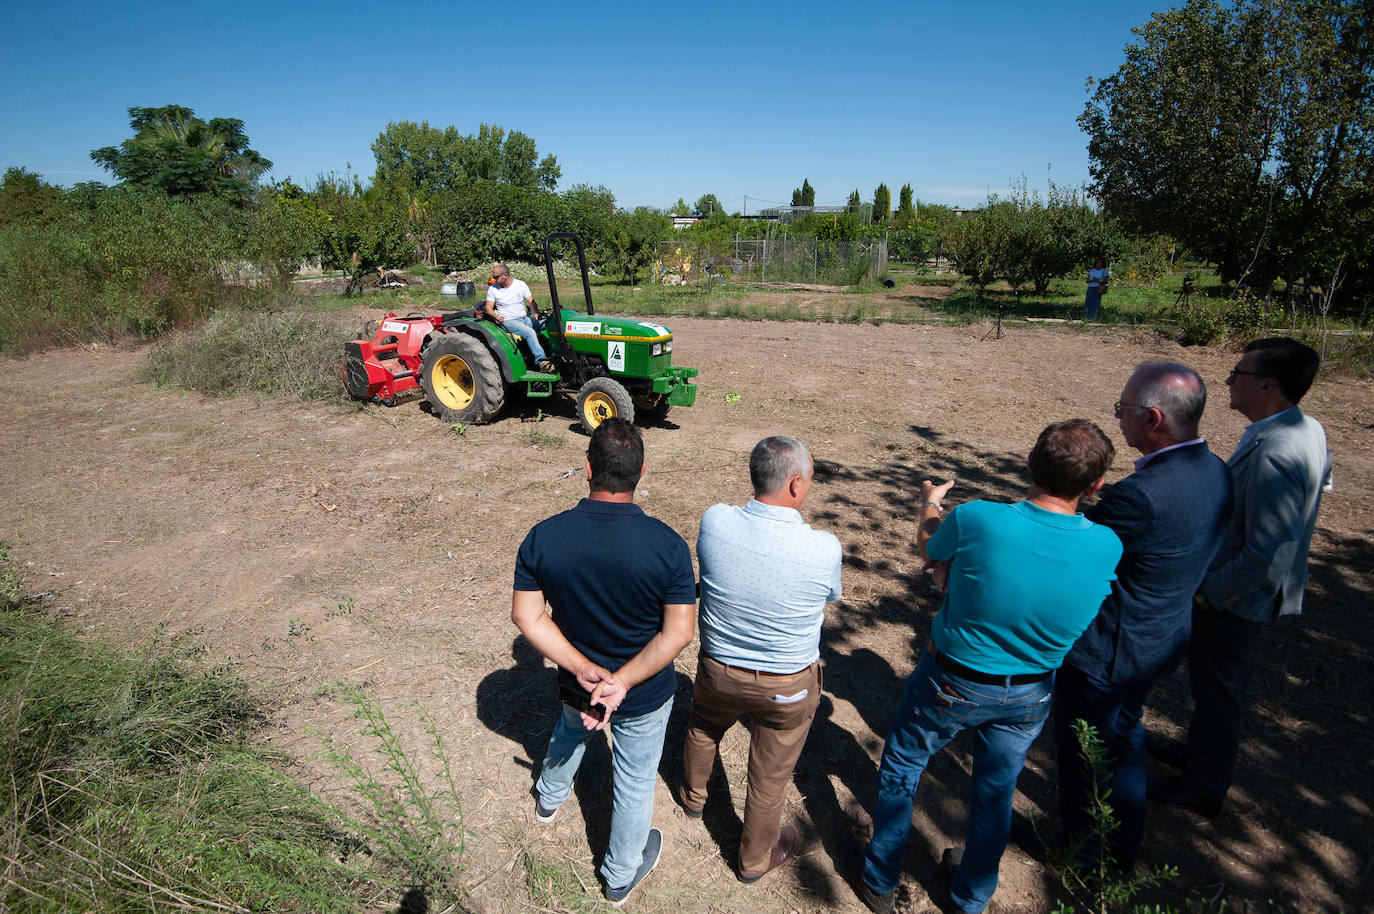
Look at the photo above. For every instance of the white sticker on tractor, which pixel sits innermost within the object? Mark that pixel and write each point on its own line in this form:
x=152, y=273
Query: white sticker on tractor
x=395, y=327
x=657, y=328
x=590, y=328
x=615, y=355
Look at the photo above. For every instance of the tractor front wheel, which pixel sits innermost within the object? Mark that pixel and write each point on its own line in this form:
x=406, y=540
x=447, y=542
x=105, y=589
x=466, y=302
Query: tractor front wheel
x=601, y=399
x=651, y=406
x=461, y=379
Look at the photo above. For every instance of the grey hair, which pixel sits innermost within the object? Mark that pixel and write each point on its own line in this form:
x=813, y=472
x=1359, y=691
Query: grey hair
x=1175, y=390
x=775, y=460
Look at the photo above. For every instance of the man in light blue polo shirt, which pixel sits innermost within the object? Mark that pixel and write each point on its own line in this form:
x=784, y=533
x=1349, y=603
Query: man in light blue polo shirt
x=765, y=579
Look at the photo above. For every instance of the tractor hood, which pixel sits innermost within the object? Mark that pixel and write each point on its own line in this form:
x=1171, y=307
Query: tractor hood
x=595, y=327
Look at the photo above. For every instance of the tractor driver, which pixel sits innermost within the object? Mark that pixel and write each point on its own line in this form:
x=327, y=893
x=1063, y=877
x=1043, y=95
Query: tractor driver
x=509, y=302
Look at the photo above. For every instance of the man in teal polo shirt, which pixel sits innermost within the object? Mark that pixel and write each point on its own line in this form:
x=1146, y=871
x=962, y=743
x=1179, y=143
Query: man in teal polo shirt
x=1024, y=582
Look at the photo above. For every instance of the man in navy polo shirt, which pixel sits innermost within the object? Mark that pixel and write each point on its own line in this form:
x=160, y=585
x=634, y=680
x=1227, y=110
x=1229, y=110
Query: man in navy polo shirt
x=623, y=595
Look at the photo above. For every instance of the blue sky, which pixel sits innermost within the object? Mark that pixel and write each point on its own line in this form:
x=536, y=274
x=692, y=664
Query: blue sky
x=655, y=103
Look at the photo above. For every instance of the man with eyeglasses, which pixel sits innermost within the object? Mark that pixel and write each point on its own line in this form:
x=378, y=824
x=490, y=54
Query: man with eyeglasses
x=1280, y=469
x=509, y=302
x=1170, y=515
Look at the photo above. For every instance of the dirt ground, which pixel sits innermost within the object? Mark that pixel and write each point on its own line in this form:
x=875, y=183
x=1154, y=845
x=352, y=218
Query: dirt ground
x=312, y=545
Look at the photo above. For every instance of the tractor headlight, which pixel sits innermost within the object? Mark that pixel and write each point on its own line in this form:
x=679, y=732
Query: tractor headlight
x=667, y=347
x=657, y=349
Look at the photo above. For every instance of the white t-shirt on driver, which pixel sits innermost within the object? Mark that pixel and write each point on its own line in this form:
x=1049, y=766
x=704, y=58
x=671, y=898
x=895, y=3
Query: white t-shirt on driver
x=510, y=301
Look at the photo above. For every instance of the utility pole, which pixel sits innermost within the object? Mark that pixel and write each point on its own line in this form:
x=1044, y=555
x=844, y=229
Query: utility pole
x=746, y=204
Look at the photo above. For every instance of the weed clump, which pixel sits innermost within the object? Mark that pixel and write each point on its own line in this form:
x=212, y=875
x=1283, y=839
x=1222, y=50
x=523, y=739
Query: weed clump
x=288, y=354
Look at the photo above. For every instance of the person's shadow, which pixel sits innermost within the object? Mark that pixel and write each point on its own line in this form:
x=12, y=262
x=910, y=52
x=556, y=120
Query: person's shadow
x=521, y=704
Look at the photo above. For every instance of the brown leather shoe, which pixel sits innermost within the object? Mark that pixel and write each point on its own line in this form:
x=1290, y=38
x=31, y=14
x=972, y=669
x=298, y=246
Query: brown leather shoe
x=781, y=853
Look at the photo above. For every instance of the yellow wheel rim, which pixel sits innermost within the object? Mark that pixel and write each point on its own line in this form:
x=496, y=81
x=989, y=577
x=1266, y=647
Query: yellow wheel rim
x=453, y=382
x=597, y=408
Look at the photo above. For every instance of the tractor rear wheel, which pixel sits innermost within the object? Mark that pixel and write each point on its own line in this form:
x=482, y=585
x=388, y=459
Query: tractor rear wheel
x=601, y=399
x=461, y=379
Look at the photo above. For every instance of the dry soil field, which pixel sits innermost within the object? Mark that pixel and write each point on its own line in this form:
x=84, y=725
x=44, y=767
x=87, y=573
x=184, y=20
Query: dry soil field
x=312, y=545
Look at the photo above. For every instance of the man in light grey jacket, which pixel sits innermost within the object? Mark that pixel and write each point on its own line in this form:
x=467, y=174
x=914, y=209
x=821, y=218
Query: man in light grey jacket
x=1280, y=469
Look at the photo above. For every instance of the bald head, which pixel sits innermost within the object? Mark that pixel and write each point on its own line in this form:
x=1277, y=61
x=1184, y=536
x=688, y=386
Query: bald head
x=1176, y=391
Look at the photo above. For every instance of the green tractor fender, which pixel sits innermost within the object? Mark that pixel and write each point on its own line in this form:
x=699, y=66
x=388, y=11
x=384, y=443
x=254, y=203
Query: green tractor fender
x=496, y=341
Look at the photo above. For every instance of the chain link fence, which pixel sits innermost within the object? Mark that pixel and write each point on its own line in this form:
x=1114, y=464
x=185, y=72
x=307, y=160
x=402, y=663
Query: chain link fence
x=781, y=257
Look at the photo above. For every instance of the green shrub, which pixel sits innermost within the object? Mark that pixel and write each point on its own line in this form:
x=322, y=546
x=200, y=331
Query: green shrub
x=126, y=261
x=1250, y=317
x=49, y=282
x=1201, y=324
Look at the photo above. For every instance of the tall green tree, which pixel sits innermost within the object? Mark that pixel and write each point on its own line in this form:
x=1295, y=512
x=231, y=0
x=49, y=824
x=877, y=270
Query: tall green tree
x=1246, y=131
x=27, y=199
x=425, y=159
x=359, y=231
x=854, y=201
x=175, y=152
x=905, y=206
x=804, y=195
x=882, y=204
x=707, y=205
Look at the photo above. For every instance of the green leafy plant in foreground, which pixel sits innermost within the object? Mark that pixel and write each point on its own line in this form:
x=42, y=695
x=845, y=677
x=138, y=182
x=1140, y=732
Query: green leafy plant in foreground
x=131, y=784
x=1101, y=886
x=420, y=831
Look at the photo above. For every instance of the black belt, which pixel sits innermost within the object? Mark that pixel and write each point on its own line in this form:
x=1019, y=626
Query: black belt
x=950, y=665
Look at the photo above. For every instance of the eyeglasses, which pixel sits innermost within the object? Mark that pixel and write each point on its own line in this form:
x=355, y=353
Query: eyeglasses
x=1236, y=371
x=1118, y=408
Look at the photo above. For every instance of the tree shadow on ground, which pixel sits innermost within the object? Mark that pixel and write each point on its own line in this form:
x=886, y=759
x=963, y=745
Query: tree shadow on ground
x=1301, y=810
x=1303, y=806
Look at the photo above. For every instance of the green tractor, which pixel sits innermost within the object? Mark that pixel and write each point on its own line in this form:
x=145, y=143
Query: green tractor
x=613, y=366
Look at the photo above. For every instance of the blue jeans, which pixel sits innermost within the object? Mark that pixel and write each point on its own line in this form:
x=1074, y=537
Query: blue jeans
x=1092, y=304
x=523, y=328
x=636, y=746
x=1114, y=709
x=1005, y=720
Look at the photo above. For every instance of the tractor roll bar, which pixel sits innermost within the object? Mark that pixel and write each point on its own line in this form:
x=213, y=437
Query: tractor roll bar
x=581, y=262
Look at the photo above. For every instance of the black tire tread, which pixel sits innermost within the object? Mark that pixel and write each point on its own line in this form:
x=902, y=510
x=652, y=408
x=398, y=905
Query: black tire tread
x=490, y=393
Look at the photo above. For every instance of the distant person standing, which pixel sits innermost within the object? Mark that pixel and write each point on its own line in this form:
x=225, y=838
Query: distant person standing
x=1097, y=284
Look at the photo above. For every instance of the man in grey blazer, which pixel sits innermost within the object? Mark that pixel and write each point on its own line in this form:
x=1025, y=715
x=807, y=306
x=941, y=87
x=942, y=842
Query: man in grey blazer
x=1280, y=469
x=1170, y=515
